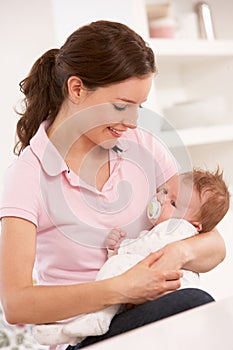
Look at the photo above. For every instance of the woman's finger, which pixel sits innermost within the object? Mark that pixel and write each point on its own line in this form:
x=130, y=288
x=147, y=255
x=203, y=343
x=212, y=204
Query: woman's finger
x=152, y=257
x=172, y=275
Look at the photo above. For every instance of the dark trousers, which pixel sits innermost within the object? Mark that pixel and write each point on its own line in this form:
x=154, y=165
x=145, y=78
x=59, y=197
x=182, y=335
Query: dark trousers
x=151, y=311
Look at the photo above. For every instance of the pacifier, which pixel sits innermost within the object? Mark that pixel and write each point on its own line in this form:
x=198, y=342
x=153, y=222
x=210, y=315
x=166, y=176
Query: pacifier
x=154, y=209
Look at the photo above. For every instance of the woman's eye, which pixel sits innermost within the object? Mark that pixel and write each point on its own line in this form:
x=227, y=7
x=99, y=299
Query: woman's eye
x=173, y=203
x=120, y=107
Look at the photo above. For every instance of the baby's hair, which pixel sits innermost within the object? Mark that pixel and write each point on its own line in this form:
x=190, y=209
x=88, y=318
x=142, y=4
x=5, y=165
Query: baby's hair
x=214, y=196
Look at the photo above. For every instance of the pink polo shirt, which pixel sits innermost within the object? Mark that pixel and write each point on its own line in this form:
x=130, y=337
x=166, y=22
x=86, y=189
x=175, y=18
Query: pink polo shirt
x=72, y=217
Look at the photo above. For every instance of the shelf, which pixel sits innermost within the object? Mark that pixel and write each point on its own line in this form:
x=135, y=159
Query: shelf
x=198, y=136
x=191, y=49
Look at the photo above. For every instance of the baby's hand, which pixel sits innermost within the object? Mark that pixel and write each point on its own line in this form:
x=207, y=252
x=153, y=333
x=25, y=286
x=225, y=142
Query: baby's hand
x=114, y=239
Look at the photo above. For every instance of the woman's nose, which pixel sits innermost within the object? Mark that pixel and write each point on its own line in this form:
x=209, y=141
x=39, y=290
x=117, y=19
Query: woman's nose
x=130, y=120
x=130, y=117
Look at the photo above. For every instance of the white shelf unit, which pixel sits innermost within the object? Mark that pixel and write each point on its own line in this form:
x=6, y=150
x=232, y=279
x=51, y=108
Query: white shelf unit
x=198, y=136
x=194, y=69
x=194, y=50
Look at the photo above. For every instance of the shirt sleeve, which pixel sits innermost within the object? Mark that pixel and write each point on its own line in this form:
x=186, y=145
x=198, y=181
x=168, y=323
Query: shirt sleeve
x=20, y=192
x=165, y=163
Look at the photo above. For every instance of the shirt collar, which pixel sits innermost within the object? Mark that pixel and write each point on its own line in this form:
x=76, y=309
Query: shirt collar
x=51, y=160
x=121, y=146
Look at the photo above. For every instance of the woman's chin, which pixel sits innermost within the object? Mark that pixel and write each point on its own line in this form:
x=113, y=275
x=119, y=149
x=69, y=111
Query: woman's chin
x=108, y=144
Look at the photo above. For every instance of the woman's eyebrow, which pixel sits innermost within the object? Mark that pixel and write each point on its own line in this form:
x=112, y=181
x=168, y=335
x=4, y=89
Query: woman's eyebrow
x=130, y=101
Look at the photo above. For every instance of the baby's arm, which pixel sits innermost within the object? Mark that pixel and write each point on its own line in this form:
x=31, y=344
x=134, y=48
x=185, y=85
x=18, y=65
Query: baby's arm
x=117, y=240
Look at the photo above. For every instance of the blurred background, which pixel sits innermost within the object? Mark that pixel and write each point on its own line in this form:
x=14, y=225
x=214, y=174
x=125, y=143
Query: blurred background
x=192, y=93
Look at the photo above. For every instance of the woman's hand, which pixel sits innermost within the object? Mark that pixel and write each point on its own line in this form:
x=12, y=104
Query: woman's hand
x=145, y=282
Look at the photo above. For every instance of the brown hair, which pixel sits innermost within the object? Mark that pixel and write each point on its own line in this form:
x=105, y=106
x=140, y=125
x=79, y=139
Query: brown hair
x=100, y=54
x=214, y=196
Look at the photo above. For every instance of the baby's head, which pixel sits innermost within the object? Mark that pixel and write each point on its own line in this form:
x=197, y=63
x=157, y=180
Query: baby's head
x=200, y=197
x=213, y=195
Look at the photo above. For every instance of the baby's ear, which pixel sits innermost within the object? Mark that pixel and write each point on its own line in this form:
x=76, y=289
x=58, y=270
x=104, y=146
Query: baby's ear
x=197, y=225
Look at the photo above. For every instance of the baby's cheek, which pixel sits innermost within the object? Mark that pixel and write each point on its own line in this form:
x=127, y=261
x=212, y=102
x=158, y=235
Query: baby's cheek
x=167, y=213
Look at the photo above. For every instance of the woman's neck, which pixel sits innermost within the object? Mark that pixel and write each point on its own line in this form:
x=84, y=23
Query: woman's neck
x=88, y=160
x=92, y=166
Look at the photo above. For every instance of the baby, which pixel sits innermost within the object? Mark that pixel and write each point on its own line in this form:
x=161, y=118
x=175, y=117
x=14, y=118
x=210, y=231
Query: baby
x=201, y=202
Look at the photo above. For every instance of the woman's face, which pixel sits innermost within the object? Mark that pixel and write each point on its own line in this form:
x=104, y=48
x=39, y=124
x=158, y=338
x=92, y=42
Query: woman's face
x=106, y=113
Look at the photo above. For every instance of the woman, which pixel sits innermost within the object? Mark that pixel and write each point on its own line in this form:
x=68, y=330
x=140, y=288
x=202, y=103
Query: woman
x=84, y=168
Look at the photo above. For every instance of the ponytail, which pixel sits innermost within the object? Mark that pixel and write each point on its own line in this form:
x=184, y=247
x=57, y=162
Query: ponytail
x=43, y=98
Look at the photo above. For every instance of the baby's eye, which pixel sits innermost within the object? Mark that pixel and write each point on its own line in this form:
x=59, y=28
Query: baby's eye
x=173, y=203
x=164, y=190
x=119, y=106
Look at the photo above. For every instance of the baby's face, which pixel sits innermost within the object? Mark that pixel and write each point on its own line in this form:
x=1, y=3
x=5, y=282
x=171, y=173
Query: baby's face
x=179, y=200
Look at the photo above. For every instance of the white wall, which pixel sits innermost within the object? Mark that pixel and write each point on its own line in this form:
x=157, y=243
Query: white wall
x=218, y=282
x=70, y=14
x=26, y=31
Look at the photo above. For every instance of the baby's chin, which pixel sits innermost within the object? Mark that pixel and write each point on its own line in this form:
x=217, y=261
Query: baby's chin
x=154, y=222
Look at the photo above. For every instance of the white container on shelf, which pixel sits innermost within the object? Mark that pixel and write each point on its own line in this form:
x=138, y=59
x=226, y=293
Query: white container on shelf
x=196, y=113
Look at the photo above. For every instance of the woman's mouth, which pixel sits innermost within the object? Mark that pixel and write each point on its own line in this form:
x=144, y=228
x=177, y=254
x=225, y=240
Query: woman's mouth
x=115, y=132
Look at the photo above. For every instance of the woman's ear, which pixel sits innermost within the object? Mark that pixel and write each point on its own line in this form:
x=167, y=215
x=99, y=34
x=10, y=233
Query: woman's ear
x=75, y=88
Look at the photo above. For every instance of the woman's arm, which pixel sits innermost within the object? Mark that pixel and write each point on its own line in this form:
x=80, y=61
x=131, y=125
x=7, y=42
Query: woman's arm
x=206, y=251
x=25, y=303
x=199, y=253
